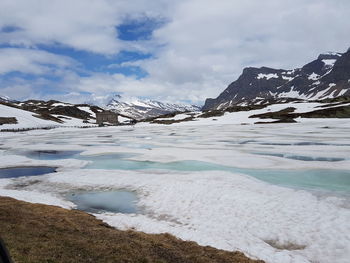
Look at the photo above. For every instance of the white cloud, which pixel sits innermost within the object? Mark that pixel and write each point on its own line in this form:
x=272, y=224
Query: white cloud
x=18, y=91
x=88, y=25
x=101, y=84
x=210, y=42
x=32, y=61
x=84, y=25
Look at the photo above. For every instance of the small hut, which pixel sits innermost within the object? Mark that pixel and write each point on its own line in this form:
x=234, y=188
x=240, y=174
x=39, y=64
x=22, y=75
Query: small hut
x=106, y=117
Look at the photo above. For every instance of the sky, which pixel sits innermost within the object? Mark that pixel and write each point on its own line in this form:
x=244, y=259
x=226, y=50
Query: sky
x=174, y=51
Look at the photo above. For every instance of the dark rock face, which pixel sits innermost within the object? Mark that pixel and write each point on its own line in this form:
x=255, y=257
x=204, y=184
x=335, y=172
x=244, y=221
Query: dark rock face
x=341, y=70
x=326, y=77
x=288, y=113
x=8, y=120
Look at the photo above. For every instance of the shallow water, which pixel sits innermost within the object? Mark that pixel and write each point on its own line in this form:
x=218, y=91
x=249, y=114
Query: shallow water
x=331, y=180
x=320, y=179
x=25, y=171
x=109, y=201
x=303, y=157
x=51, y=154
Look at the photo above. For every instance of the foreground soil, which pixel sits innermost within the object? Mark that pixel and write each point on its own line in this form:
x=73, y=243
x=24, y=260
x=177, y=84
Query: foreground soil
x=42, y=233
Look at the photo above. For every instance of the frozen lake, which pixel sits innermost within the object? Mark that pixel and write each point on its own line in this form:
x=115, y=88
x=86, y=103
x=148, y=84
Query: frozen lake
x=276, y=192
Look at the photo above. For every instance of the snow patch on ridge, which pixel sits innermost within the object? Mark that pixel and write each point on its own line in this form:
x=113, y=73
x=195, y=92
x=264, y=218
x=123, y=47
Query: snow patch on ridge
x=267, y=76
x=292, y=94
x=314, y=76
x=329, y=62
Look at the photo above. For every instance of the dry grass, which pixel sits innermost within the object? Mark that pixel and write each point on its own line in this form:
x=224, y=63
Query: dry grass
x=42, y=233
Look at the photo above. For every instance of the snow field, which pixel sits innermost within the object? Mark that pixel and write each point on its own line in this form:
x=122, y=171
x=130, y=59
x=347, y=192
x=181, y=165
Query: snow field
x=226, y=210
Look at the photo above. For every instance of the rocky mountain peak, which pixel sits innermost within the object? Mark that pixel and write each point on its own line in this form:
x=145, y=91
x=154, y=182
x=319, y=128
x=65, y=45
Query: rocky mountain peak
x=329, y=55
x=326, y=77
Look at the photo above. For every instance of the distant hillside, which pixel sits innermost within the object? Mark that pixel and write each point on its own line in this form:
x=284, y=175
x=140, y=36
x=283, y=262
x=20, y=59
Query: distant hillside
x=324, y=78
x=5, y=99
x=138, y=109
x=290, y=112
x=44, y=114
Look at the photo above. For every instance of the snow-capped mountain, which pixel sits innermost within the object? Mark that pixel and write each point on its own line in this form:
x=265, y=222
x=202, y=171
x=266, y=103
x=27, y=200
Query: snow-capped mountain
x=5, y=99
x=138, y=109
x=326, y=77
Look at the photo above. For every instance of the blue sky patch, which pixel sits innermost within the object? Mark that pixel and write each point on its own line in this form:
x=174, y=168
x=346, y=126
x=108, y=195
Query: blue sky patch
x=141, y=29
x=9, y=29
x=100, y=63
x=138, y=72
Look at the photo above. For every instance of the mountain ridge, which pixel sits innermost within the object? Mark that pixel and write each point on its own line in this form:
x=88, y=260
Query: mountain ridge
x=328, y=76
x=139, y=109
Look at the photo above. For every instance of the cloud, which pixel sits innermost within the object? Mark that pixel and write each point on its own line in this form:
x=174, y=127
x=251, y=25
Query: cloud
x=209, y=43
x=89, y=25
x=198, y=49
x=101, y=84
x=30, y=61
x=19, y=91
x=84, y=25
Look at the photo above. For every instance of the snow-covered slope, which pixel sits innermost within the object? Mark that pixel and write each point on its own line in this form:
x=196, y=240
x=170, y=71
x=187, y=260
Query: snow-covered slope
x=28, y=120
x=41, y=114
x=275, y=113
x=25, y=119
x=137, y=108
